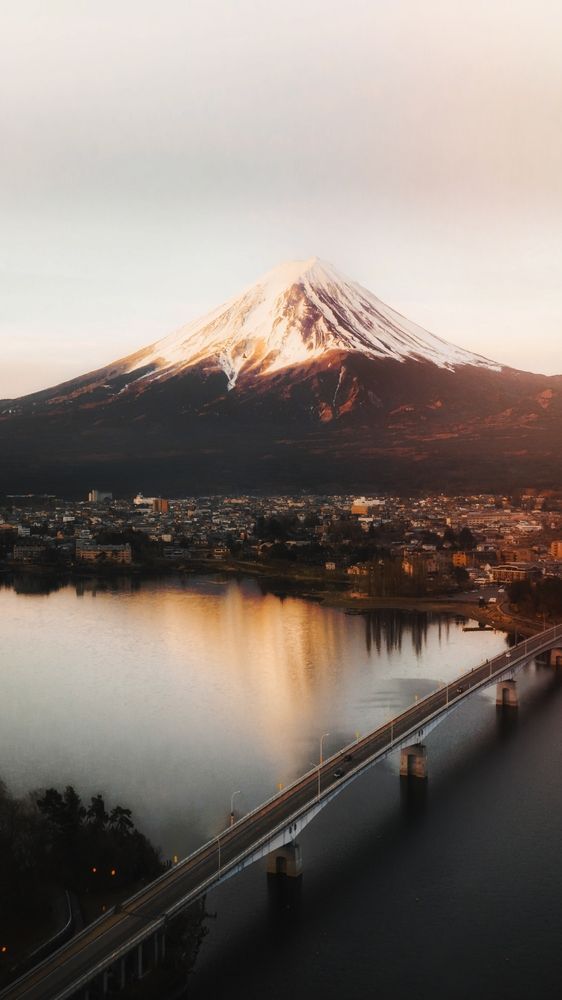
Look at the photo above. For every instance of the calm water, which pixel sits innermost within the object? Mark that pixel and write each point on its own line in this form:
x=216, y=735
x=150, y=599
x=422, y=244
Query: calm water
x=172, y=696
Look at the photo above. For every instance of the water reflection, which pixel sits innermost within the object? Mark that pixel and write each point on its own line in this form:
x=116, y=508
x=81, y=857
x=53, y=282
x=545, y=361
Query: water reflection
x=33, y=583
x=507, y=721
x=124, y=584
x=386, y=629
x=170, y=694
x=413, y=800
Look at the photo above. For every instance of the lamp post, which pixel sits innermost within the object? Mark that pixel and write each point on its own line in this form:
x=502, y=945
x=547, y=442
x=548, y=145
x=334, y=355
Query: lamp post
x=322, y=738
x=232, y=797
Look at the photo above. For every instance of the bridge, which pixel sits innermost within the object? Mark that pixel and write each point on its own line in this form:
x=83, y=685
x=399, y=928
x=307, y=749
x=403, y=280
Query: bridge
x=131, y=937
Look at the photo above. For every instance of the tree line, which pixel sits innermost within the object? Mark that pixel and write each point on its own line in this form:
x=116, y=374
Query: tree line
x=541, y=597
x=52, y=838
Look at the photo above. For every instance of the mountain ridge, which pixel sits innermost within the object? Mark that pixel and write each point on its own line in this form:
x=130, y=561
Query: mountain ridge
x=302, y=380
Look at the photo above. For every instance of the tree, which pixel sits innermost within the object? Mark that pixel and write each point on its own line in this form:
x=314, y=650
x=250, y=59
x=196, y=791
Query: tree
x=519, y=591
x=74, y=812
x=449, y=536
x=466, y=539
x=96, y=814
x=460, y=575
x=51, y=804
x=120, y=821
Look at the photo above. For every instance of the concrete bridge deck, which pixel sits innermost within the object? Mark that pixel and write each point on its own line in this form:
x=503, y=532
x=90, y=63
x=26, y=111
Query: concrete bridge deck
x=268, y=828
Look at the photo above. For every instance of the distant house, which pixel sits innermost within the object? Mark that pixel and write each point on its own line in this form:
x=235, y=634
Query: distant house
x=220, y=552
x=359, y=569
x=360, y=507
x=460, y=559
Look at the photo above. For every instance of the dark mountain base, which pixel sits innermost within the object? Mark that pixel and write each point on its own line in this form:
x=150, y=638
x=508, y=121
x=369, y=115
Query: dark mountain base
x=350, y=424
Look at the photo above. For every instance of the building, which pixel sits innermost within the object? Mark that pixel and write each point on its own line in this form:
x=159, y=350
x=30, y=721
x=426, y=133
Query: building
x=99, y=496
x=556, y=549
x=510, y=572
x=518, y=553
x=156, y=504
x=460, y=559
x=359, y=569
x=116, y=554
x=29, y=553
x=360, y=507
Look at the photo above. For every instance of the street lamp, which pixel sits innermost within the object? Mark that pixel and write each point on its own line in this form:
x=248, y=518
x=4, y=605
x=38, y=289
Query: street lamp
x=232, y=797
x=322, y=738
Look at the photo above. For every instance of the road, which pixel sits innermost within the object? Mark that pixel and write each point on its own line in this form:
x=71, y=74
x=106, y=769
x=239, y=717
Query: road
x=98, y=943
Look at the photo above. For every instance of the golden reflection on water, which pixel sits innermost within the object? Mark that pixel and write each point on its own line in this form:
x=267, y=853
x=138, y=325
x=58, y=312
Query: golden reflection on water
x=172, y=695
x=275, y=658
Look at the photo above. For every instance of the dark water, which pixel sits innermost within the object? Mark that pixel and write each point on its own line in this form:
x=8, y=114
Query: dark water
x=452, y=890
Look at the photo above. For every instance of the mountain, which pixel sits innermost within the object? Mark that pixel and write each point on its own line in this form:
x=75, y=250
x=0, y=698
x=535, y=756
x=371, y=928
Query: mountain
x=304, y=380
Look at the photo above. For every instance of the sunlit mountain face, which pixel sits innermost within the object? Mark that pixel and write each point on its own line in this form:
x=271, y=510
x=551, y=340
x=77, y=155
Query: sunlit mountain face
x=305, y=380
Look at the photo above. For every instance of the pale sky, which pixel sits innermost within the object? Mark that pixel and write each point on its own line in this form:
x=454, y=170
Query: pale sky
x=159, y=156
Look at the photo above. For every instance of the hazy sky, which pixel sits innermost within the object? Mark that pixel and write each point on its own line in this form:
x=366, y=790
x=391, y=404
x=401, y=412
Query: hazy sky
x=158, y=156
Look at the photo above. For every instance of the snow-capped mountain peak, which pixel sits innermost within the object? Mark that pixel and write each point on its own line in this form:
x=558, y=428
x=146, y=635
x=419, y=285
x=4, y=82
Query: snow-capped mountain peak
x=294, y=314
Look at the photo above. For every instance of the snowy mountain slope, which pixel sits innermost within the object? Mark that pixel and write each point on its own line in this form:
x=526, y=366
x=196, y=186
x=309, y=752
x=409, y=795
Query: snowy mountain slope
x=294, y=314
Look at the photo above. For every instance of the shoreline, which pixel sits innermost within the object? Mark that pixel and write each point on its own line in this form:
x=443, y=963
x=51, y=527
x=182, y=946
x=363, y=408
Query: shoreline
x=330, y=593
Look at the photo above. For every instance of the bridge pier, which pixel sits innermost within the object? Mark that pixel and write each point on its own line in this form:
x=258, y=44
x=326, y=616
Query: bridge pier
x=555, y=658
x=285, y=860
x=506, y=694
x=122, y=973
x=413, y=761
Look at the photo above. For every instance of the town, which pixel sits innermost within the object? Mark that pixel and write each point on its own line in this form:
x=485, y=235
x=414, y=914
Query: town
x=381, y=546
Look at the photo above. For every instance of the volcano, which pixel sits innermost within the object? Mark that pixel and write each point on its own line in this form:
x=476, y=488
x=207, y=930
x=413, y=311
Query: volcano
x=305, y=380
